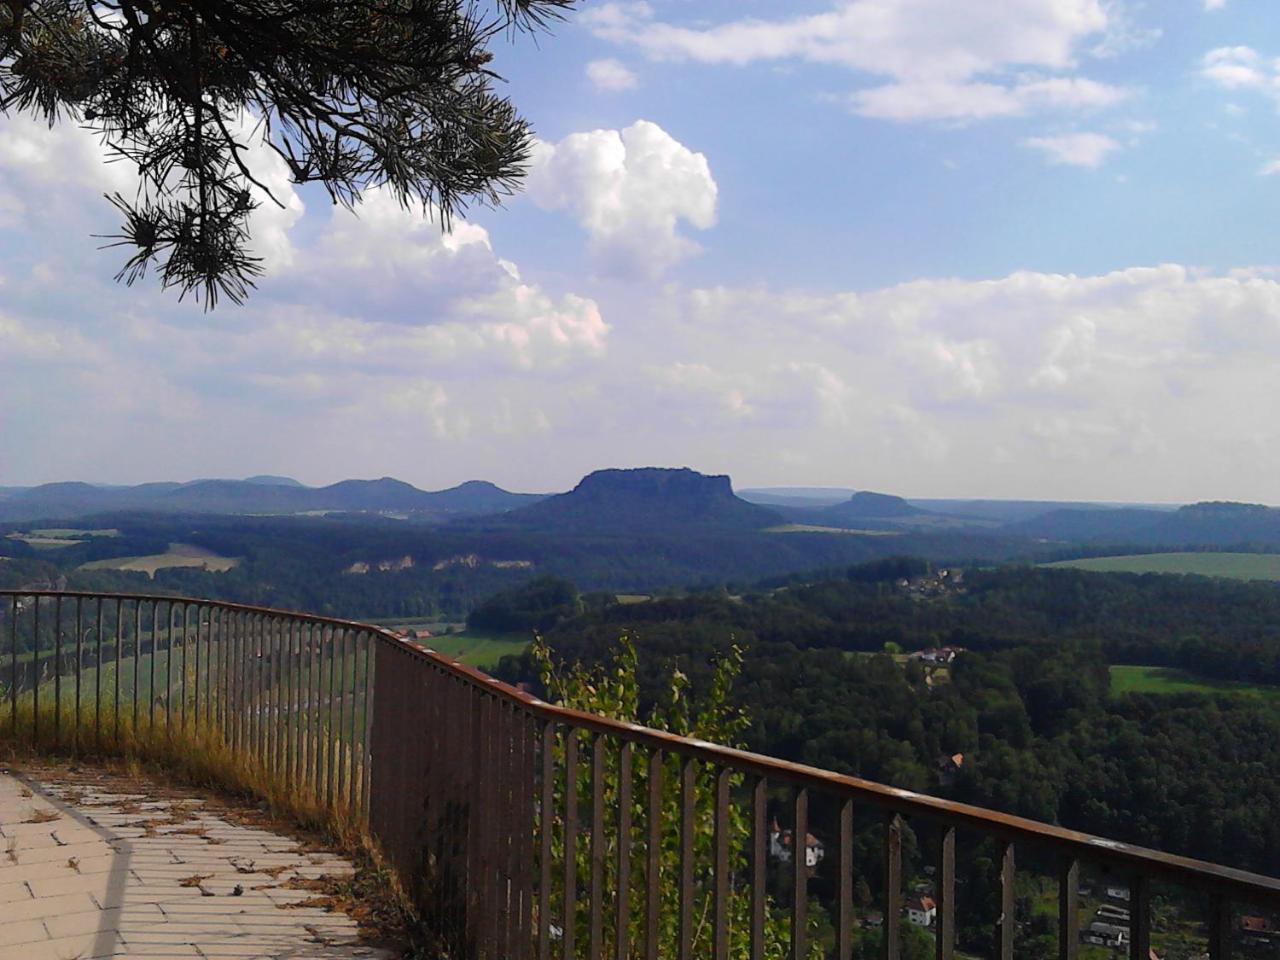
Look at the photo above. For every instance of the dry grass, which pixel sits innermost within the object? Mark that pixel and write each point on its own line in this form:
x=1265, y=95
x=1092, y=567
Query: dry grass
x=43, y=816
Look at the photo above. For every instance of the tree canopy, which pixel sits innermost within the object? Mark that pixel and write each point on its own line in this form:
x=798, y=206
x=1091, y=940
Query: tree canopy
x=352, y=94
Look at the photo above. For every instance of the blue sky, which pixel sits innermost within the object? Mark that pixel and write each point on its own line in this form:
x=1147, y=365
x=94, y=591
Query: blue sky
x=1026, y=249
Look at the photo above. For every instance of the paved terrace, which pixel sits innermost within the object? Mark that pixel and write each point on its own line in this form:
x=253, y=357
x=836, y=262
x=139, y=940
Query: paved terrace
x=90, y=870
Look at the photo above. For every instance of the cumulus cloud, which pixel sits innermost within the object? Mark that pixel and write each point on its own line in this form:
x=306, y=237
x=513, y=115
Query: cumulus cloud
x=610, y=74
x=630, y=190
x=942, y=61
x=1138, y=368
x=368, y=324
x=1241, y=68
x=382, y=345
x=1074, y=149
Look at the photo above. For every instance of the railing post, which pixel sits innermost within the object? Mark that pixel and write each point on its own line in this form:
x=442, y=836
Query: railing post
x=57, y=673
x=653, y=854
x=1140, y=918
x=97, y=677
x=155, y=653
x=596, y=924
x=622, y=914
x=569, y=932
x=182, y=685
x=75, y=730
x=13, y=665
x=1006, y=924
x=688, y=798
x=137, y=663
x=945, y=945
x=546, y=823
x=35, y=683
x=844, y=885
x=800, y=876
x=720, y=874
x=759, y=864
x=1069, y=909
x=1219, y=927
x=892, y=885
x=115, y=673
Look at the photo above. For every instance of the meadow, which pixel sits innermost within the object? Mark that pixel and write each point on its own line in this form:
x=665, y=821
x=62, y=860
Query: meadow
x=845, y=531
x=477, y=650
x=1234, y=566
x=1163, y=680
x=450, y=639
x=178, y=555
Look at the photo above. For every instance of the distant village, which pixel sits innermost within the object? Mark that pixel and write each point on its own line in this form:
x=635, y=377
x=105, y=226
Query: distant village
x=941, y=583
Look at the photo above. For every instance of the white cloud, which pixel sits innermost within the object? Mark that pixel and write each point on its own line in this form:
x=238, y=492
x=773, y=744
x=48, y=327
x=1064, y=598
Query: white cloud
x=1142, y=369
x=369, y=327
x=384, y=346
x=35, y=157
x=1270, y=168
x=983, y=101
x=944, y=61
x=610, y=74
x=1214, y=4
x=1237, y=68
x=629, y=189
x=1074, y=149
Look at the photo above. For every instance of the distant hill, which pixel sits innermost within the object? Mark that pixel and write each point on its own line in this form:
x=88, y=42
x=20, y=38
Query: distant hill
x=866, y=505
x=648, y=500
x=796, y=496
x=1089, y=524
x=1217, y=524
x=1010, y=511
x=263, y=495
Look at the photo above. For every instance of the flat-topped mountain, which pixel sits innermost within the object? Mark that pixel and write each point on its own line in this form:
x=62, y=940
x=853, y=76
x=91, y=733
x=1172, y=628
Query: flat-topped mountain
x=874, y=506
x=647, y=499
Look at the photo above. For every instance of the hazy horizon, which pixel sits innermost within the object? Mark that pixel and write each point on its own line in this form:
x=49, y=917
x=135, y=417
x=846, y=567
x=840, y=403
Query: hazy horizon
x=738, y=487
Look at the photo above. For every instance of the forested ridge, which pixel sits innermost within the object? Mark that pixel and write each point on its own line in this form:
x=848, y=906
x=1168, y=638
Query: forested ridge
x=1028, y=703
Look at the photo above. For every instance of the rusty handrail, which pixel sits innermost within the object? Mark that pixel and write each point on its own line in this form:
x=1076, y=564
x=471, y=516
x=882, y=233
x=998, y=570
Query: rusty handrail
x=526, y=723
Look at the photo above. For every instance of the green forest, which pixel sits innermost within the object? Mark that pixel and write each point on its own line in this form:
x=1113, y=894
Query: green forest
x=1028, y=703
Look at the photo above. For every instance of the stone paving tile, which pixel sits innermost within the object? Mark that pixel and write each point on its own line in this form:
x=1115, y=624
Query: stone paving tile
x=119, y=875
x=21, y=931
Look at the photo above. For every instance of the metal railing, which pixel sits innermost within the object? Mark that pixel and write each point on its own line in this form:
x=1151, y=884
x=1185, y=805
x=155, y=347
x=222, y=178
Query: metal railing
x=522, y=829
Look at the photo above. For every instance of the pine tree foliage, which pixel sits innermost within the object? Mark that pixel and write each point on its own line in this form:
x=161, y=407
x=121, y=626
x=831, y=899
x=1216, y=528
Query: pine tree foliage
x=352, y=94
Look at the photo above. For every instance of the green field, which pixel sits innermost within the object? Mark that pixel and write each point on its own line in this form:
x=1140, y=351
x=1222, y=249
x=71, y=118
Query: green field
x=51, y=538
x=1128, y=679
x=476, y=650
x=178, y=555
x=813, y=528
x=72, y=533
x=1235, y=566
